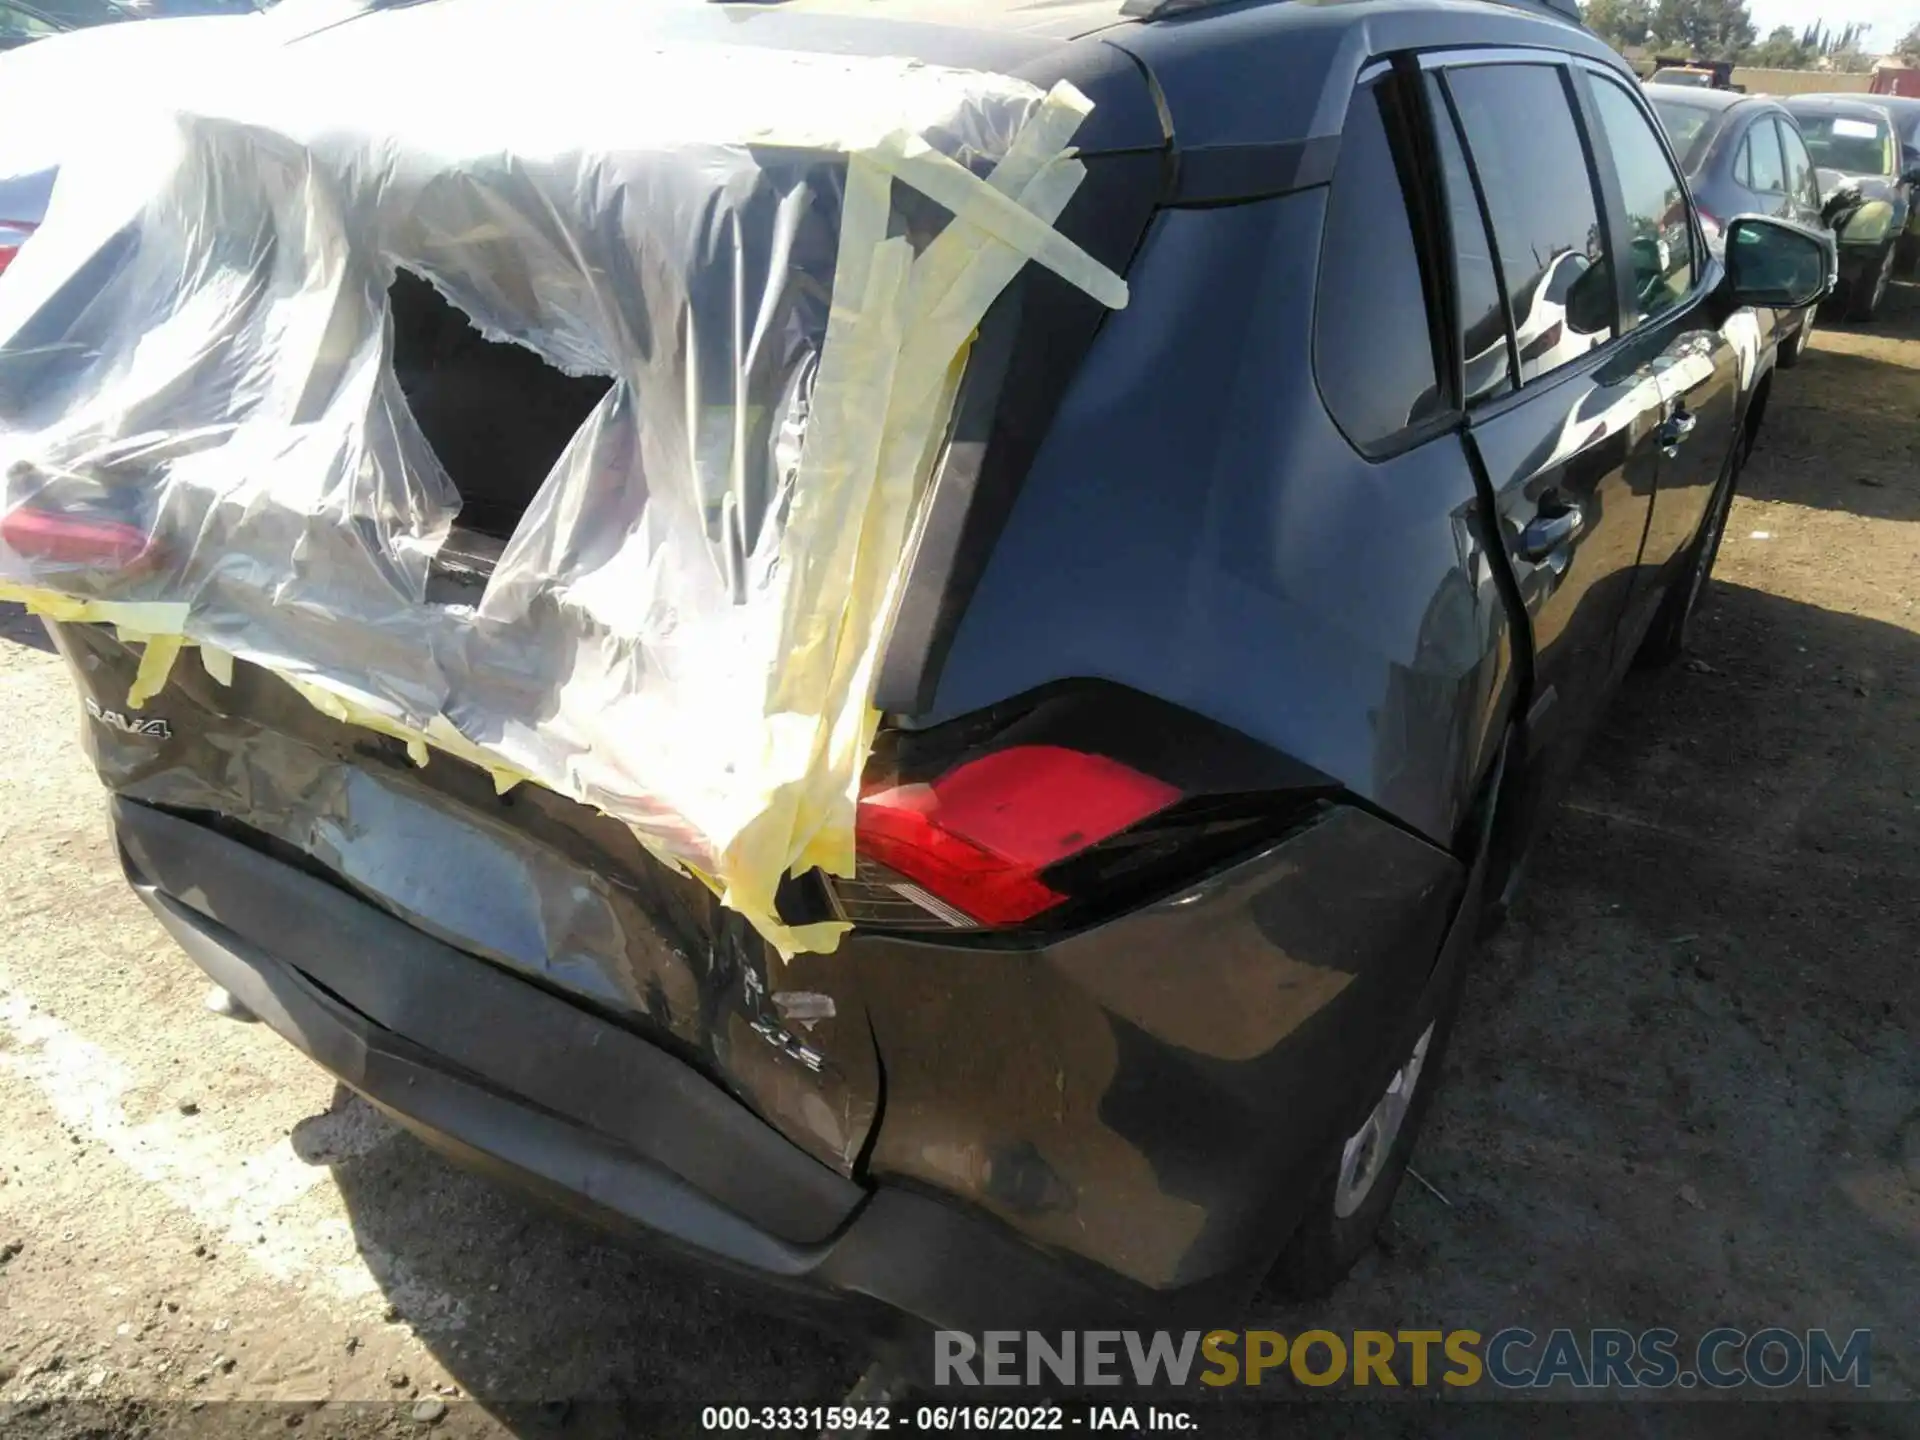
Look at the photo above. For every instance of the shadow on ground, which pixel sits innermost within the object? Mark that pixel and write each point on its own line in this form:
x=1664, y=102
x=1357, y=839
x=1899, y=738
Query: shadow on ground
x=1843, y=430
x=1682, y=1093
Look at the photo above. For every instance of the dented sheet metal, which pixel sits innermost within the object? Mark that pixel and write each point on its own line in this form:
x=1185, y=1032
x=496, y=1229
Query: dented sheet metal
x=779, y=260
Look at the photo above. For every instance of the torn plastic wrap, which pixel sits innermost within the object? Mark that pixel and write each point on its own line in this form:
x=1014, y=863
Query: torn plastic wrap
x=777, y=260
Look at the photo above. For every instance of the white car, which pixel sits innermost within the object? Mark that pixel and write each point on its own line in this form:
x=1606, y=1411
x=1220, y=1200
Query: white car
x=46, y=86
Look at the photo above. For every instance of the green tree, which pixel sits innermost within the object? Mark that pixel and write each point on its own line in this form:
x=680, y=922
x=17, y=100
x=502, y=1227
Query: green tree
x=1909, y=46
x=1851, y=60
x=1781, y=50
x=1619, y=22
x=1821, y=43
x=1710, y=29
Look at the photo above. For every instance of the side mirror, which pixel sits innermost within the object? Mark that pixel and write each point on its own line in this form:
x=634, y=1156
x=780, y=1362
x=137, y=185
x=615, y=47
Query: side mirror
x=1590, y=300
x=1777, y=263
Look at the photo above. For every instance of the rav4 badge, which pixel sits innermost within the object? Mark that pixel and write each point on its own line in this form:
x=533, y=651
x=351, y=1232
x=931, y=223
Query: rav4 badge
x=130, y=724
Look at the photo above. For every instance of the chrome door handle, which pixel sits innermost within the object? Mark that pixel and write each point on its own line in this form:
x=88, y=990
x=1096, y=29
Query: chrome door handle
x=1675, y=428
x=1546, y=533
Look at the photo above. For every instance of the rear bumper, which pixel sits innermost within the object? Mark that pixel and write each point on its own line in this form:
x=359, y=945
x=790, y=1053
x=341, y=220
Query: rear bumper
x=509, y=1079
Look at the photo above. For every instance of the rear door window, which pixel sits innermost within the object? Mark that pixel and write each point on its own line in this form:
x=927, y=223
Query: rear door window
x=1765, y=170
x=1659, y=240
x=1373, y=347
x=1526, y=150
x=1690, y=127
x=1802, y=184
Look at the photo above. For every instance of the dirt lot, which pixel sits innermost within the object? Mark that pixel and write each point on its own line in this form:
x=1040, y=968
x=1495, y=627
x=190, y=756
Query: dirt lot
x=1685, y=1091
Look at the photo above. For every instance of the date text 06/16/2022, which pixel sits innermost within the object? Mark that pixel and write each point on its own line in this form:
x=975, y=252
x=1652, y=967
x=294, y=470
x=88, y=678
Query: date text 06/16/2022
x=941, y=1419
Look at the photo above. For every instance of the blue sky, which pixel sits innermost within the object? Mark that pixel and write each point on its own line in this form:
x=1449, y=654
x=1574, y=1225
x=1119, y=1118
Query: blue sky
x=1890, y=19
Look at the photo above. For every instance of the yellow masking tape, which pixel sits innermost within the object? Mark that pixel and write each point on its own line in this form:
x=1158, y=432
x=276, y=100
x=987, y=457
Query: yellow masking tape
x=148, y=617
x=154, y=625
x=846, y=430
x=956, y=280
x=970, y=198
x=156, y=664
x=846, y=543
x=898, y=332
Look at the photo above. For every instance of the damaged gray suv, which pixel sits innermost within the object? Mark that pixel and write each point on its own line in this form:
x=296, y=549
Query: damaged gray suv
x=1236, y=628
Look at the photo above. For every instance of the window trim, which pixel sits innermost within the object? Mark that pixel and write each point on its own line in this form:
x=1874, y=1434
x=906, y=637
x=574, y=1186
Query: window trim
x=1783, y=122
x=1746, y=140
x=1703, y=266
x=1578, y=70
x=1438, y=86
x=1444, y=64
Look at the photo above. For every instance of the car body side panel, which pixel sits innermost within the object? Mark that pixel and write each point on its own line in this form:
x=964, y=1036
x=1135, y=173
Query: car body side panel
x=1197, y=528
x=1583, y=439
x=1705, y=369
x=1154, y=1094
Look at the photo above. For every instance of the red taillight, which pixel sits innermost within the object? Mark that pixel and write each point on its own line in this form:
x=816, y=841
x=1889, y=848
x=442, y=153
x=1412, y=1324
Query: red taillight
x=13, y=234
x=978, y=837
x=71, y=540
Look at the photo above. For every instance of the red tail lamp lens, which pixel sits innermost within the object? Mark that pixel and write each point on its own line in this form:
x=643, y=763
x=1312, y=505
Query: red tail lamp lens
x=70, y=540
x=979, y=836
x=10, y=247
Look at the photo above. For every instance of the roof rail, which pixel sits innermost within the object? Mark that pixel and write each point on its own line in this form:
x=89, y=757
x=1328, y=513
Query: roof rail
x=1168, y=9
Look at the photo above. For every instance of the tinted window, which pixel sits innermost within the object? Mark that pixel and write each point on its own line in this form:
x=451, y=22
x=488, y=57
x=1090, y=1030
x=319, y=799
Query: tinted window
x=1764, y=168
x=1373, y=348
x=1519, y=129
x=1689, y=127
x=1486, y=360
x=1659, y=229
x=1801, y=183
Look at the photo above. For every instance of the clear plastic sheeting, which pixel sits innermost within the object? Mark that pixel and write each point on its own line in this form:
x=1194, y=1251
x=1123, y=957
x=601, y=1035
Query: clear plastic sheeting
x=777, y=260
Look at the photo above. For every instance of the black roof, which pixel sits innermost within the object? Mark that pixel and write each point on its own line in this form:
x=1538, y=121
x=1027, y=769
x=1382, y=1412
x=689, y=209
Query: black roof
x=1231, y=72
x=1249, y=72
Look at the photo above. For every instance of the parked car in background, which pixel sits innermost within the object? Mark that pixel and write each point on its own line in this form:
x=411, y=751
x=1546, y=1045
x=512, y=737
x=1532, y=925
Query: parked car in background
x=1692, y=74
x=83, y=48
x=1904, y=108
x=1867, y=178
x=1264, y=622
x=25, y=20
x=1743, y=155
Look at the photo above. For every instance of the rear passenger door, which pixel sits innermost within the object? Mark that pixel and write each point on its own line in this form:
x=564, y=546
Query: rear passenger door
x=1565, y=423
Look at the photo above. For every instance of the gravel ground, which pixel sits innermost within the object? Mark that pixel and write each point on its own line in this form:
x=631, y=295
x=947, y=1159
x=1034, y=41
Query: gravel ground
x=1683, y=1093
